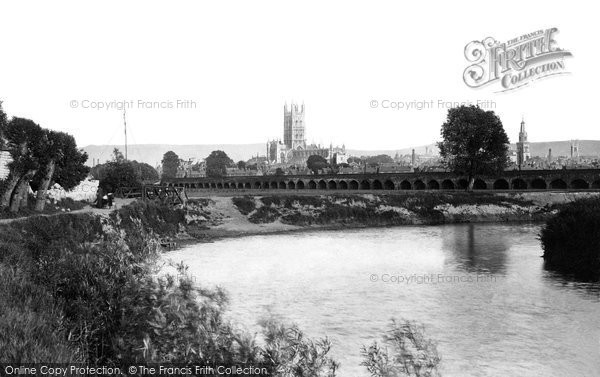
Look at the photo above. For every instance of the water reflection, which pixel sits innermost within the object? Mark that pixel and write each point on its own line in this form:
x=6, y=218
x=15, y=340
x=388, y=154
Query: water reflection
x=588, y=290
x=476, y=248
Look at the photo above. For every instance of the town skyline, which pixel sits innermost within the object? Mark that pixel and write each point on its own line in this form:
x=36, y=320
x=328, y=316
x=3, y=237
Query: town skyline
x=231, y=90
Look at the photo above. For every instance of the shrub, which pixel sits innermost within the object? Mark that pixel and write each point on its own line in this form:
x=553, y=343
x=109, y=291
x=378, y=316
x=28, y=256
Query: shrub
x=404, y=351
x=244, y=204
x=571, y=240
x=264, y=215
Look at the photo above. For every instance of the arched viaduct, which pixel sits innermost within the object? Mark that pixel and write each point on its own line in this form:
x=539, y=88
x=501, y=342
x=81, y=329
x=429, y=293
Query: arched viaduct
x=575, y=179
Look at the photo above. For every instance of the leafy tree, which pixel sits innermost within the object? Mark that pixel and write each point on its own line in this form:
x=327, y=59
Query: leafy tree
x=3, y=123
x=279, y=172
x=114, y=175
x=61, y=162
x=379, y=159
x=147, y=172
x=26, y=142
x=118, y=155
x=217, y=163
x=473, y=142
x=241, y=165
x=170, y=165
x=316, y=163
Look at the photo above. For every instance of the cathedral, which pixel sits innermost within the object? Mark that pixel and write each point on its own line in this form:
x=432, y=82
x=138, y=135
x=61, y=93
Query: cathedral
x=294, y=149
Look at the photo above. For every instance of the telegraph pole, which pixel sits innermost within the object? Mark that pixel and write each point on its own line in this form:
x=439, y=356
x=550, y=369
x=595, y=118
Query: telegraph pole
x=125, y=128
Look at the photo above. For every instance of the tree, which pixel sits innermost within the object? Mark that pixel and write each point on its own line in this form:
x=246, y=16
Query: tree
x=61, y=162
x=316, y=163
x=118, y=155
x=217, y=163
x=379, y=159
x=279, y=172
x=170, y=165
x=114, y=175
x=241, y=165
x=473, y=142
x=3, y=123
x=26, y=141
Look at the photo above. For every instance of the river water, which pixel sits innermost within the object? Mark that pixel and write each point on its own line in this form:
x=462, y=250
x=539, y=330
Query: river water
x=480, y=291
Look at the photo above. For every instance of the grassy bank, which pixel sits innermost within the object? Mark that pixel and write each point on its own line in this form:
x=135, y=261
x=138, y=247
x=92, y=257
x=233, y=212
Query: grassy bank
x=84, y=288
x=382, y=209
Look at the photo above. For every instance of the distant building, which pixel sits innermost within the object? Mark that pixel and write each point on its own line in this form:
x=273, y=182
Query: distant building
x=523, y=153
x=575, y=150
x=294, y=149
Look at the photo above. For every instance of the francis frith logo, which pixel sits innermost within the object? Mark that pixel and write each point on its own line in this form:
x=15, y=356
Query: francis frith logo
x=515, y=63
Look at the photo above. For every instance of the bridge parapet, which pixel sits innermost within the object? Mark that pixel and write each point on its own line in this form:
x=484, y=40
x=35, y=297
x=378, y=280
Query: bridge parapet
x=566, y=179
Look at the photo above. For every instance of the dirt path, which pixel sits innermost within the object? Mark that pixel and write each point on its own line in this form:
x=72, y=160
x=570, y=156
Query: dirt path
x=118, y=203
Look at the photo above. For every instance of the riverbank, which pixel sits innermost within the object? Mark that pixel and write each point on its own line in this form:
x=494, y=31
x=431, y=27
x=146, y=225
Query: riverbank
x=243, y=215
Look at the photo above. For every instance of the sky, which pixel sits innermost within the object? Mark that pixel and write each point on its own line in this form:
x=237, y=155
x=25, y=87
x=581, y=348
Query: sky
x=232, y=65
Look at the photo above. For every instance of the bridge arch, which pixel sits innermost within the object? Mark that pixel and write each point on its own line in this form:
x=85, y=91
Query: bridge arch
x=353, y=185
x=312, y=185
x=433, y=185
x=389, y=185
x=332, y=185
x=343, y=185
x=300, y=185
x=377, y=185
x=501, y=184
x=322, y=185
x=240, y=185
x=579, y=184
x=247, y=185
x=539, y=184
x=419, y=185
x=257, y=185
x=291, y=185
x=558, y=184
x=365, y=185
x=596, y=184
x=519, y=184
x=213, y=185
x=463, y=184
x=405, y=185
x=479, y=184
x=226, y=185
x=282, y=185
x=447, y=184
x=219, y=185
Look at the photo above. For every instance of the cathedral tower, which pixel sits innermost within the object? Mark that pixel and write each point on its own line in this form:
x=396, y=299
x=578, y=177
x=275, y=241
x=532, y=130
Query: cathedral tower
x=294, y=127
x=523, y=153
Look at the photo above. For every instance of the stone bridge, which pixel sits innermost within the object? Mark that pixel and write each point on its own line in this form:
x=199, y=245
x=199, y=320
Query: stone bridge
x=573, y=179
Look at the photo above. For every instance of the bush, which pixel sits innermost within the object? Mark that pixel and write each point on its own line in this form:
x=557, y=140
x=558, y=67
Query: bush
x=82, y=288
x=264, y=215
x=244, y=204
x=571, y=240
x=405, y=352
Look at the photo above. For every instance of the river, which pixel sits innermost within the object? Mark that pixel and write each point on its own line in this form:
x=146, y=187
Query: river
x=480, y=291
